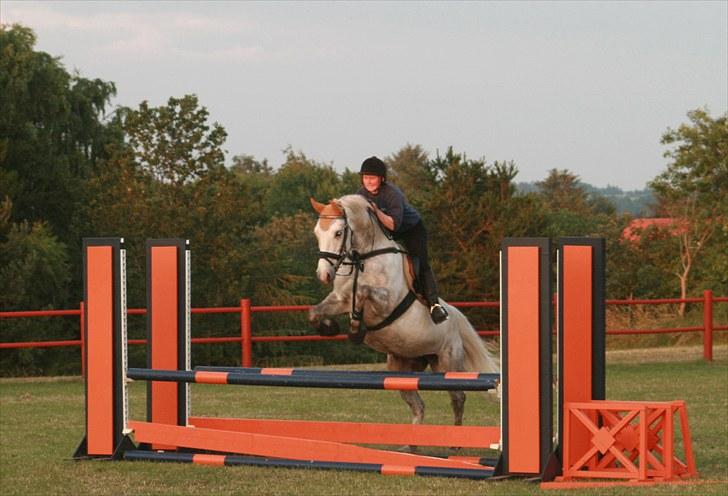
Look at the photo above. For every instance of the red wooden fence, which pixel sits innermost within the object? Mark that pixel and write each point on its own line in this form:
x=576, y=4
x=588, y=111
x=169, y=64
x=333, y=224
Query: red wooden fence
x=246, y=311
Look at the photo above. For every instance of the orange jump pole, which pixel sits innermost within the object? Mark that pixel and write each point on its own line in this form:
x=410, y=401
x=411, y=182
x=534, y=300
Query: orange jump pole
x=464, y=436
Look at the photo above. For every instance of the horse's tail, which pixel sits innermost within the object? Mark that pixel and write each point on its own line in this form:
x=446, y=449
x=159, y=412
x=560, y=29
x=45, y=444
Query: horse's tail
x=478, y=356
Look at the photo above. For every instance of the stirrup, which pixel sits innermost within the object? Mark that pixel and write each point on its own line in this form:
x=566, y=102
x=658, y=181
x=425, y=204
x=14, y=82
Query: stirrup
x=438, y=313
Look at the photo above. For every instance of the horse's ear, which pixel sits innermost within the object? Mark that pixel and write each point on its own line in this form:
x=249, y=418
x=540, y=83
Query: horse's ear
x=316, y=205
x=337, y=203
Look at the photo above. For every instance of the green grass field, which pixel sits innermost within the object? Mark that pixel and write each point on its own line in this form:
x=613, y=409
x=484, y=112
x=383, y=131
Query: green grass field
x=41, y=423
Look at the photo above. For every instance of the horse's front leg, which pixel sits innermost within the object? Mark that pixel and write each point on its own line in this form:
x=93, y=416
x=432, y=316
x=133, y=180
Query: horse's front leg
x=318, y=315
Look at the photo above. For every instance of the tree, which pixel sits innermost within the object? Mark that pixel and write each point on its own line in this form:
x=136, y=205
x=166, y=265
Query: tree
x=53, y=136
x=168, y=181
x=410, y=170
x=570, y=210
x=693, y=189
x=256, y=178
x=35, y=274
x=561, y=191
x=472, y=208
x=34, y=267
x=298, y=179
x=174, y=143
x=52, y=133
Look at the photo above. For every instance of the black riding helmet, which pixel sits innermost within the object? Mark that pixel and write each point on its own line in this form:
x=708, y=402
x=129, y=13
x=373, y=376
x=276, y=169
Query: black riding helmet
x=374, y=167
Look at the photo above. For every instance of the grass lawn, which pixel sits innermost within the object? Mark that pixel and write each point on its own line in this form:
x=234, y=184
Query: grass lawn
x=41, y=423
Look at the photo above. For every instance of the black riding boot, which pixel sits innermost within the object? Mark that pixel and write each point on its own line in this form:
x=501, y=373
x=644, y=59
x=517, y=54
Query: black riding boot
x=437, y=311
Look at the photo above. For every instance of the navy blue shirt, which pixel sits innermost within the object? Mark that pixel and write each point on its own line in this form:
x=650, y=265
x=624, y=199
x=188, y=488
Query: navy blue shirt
x=392, y=202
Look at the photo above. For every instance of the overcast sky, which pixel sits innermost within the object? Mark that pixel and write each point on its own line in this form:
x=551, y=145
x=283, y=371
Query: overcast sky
x=584, y=86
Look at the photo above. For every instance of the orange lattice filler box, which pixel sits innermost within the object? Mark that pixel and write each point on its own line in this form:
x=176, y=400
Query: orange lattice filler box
x=631, y=441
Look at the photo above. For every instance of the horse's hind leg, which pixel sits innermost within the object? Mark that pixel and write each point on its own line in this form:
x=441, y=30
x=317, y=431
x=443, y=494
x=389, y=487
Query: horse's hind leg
x=449, y=363
x=412, y=398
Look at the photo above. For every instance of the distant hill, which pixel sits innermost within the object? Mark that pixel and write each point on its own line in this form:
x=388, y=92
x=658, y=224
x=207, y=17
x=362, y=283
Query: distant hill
x=637, y=202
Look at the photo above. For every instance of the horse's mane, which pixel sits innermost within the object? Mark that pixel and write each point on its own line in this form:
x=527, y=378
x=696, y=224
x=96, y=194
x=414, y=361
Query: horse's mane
x=355, y=204
x=358, y=216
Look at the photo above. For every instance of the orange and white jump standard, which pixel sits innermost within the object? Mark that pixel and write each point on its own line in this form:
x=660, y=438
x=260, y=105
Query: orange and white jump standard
x=524, y=436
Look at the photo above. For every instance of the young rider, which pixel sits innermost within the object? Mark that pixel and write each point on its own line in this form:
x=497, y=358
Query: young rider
x=405, y=224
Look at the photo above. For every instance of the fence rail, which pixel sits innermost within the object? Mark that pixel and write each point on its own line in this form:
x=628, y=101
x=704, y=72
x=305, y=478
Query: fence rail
x=247, y=339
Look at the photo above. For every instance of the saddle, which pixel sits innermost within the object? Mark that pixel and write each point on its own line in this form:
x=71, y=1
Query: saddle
x=412, y=276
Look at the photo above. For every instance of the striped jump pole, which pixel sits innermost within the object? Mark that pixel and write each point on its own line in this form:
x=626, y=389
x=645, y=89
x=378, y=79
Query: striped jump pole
x=333, y=373
x=343, y=380
x=233, y=460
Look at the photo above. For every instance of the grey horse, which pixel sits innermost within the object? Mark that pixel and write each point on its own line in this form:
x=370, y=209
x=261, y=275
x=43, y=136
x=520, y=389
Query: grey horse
x=368, y=272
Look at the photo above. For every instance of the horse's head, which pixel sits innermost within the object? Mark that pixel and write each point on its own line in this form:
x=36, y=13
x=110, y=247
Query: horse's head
x=332, y=233
x=344, y=224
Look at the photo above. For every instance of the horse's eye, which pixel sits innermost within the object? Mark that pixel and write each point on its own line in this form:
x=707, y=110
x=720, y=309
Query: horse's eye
x=338, y=234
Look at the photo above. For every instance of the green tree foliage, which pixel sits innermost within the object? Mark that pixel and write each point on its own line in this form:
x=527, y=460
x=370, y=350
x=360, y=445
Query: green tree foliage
x=34, y=269
x=34, y=264
x=570, y=210
x=170, y=181
x=51, y=133
x=694, y=191
x=255, y=177
x=561, y=191
x=174, y=143
x=638, y=268
x=472, y=207
x=410, y=170
x=297, y=179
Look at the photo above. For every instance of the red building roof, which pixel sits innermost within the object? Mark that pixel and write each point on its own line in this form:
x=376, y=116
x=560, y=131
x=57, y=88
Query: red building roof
x=633, y=232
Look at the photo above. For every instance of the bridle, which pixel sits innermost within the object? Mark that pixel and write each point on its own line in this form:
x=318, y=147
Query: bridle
x=355, y=259
x=337, y=259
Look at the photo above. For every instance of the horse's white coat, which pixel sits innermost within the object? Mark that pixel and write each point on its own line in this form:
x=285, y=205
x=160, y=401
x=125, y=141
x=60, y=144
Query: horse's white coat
x=413, y=341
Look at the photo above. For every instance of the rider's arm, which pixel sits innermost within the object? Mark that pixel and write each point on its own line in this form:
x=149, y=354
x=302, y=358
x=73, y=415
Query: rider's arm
x=392, y=207
x=386, y=220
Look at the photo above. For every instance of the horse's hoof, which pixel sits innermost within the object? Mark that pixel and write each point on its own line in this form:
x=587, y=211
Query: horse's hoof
x=328, y=327
x=358, y=336
x=356, y=333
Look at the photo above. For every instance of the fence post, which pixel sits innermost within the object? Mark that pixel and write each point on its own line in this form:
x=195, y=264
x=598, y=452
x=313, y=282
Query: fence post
x=82, y=324
x=708, y=325
x=246, y=342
